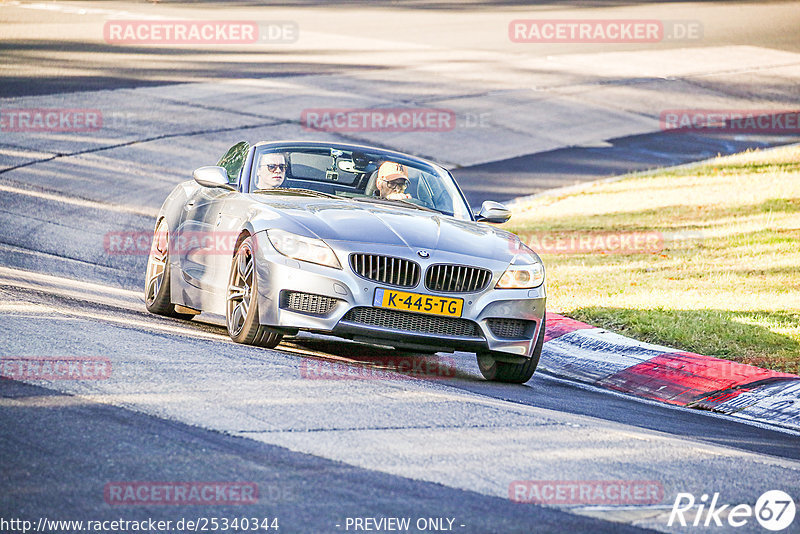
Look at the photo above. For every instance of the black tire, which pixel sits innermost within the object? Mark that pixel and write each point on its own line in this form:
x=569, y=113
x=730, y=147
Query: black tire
x=514, y=373
x=157, y=276
x=241, y=302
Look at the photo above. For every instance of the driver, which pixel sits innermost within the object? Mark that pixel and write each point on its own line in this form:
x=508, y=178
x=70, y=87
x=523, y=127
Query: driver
x=271, y=170
x=392, y=181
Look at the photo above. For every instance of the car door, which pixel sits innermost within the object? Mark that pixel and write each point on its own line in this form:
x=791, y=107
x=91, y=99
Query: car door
x=197, y=243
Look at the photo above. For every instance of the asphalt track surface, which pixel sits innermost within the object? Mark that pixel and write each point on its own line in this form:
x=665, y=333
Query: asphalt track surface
x=184, y=403
x=537, y=173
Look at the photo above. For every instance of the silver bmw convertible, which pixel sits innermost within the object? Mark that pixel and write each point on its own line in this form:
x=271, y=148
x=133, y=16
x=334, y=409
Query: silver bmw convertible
x=352, y=241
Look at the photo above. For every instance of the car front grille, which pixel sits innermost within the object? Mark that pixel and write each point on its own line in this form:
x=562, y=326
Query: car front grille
x=307, y=302
x=413, y=322
x=510, y=328
x=456, y=278
x=386, y=269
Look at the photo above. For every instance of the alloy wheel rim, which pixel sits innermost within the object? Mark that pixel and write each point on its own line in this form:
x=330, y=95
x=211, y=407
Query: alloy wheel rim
x=157, y=262
x=240, y=289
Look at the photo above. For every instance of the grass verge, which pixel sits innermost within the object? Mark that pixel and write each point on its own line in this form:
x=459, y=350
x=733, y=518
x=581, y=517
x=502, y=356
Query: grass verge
x=704, y=258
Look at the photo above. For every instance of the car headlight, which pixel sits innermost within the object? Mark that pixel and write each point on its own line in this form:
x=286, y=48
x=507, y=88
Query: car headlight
x=522, y=277
x=303, y=248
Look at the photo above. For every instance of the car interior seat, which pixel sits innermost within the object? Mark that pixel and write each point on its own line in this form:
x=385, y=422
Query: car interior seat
x=371, y=189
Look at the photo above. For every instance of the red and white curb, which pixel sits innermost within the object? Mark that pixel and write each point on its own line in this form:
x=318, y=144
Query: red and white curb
x=592, y=355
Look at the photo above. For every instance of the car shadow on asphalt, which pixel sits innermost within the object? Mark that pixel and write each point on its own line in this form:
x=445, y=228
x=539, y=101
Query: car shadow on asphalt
x=362, y=360
x=341, y=359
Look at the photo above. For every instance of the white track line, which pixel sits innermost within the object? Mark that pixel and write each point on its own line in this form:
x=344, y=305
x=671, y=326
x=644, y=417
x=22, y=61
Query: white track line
x=81, y=202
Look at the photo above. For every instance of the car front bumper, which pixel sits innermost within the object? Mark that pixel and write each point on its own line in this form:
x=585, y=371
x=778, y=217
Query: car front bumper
x=278, y=274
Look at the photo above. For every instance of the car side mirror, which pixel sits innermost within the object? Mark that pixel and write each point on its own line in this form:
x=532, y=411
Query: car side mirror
x=493, y=212
x=212, y=176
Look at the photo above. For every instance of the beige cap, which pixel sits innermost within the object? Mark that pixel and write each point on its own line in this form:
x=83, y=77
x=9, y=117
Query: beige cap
x=390, y=170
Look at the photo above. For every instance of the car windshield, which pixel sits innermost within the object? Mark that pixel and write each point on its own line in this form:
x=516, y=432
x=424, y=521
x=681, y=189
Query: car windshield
x=363, y=176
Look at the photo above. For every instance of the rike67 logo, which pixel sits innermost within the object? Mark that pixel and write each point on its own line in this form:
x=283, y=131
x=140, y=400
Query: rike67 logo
x=774, y=510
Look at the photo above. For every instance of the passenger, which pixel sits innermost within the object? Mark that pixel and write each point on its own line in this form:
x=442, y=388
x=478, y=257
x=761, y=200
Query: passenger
x=392, y=181
x=271, y=171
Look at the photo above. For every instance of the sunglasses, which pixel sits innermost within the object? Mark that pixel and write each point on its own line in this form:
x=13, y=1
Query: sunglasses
x=274, y=167
x=400, y=182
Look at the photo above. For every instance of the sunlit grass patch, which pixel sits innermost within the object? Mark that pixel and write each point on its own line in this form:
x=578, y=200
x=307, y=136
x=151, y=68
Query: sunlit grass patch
x=726, y=280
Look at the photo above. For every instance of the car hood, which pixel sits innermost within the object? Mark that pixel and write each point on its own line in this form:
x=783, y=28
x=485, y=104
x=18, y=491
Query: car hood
x=364, y=222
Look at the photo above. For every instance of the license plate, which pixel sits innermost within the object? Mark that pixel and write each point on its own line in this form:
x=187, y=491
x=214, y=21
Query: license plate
x=415, y=302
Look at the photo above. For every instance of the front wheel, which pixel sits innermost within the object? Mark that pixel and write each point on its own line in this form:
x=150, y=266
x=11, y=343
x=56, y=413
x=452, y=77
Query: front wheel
x=515, y=373
x=156, y=286
x=241, y=308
